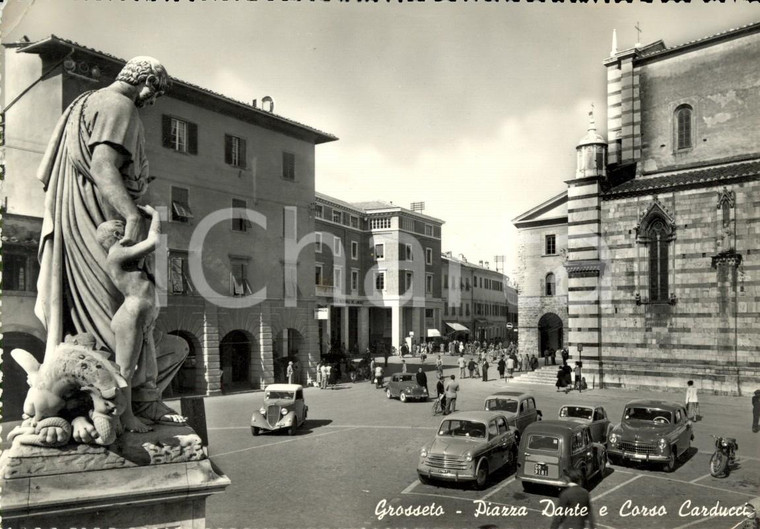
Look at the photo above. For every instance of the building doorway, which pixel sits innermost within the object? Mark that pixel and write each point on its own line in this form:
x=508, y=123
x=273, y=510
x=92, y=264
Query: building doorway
x=235, y=359
x=550, y=332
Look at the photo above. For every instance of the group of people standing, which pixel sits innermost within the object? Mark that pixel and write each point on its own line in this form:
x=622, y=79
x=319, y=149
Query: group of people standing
x=447, y=391
x=328, y=374
x=507, y=362
x=570, y=378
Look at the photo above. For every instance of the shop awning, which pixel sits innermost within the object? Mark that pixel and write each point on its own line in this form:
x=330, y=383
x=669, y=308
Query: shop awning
x=433, y=333
x=457, y=326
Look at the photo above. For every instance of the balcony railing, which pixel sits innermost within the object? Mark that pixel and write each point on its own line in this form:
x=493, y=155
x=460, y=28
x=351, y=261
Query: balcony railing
x=324, y=290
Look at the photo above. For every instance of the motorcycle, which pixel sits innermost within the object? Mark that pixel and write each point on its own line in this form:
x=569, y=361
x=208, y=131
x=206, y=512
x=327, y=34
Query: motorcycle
x=724, y=456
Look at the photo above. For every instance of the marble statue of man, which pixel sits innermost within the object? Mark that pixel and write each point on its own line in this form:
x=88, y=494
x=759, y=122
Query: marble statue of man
x=95, y=169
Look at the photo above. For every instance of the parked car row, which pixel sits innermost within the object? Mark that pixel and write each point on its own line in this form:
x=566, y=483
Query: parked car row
x=470, y=446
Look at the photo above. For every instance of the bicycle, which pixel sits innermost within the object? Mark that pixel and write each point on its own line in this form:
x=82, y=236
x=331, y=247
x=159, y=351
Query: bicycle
x=438, y=406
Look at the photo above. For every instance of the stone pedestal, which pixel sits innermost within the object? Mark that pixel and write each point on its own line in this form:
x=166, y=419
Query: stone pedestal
x=159, y=479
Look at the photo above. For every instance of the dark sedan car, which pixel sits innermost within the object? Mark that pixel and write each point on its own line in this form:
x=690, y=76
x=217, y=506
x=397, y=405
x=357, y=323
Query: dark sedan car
x=469, y=446
x=404, y=387
x=519, y=408
x=548, y=449
x=594, y=416
x=651, y=431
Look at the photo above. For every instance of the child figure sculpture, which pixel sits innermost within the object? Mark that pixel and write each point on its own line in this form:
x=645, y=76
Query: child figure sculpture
x=134, y=321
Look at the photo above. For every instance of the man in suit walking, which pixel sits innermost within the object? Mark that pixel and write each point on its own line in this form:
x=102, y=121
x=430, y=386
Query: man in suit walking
x=574, y=510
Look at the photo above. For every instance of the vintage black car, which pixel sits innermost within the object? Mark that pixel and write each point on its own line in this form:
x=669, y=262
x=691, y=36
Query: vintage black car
x=468, y=447
x=593, y=415
x=651, y=431
x=519, y=408
x=404, y=387
x=548, y=449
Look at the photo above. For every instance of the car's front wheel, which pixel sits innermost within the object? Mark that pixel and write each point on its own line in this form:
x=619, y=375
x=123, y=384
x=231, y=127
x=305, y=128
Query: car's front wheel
x=424, y=479
x=481, y=475
x=670, y=465
x=402, y=397
x=255, y=431
x=293, y=428
x=388, y=393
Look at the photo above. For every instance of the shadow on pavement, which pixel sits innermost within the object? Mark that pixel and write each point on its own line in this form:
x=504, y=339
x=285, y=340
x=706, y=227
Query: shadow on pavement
x=310, y=424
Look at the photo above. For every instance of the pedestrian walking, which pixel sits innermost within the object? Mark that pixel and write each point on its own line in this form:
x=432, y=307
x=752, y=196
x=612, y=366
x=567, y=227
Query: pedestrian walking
x=378, y=376
x=319, y=374
x=574, y=509
x=756, y=411
x=329, y=375
x=553, y=352
x=371, y=370
x=452, y=388
x=546, y=357
x=289, y=372
x=471, y=367
x=421, y=379
x=403, y=366
x=578, y=376
x=510, y=366
x=324, y=372
x=502, y=365
x=560, y=379
x=440, y=393
x=485, y=370
x=692, y=401
x=462, y=365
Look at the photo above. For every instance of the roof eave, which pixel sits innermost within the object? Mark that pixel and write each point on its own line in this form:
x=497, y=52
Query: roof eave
x=58, y=47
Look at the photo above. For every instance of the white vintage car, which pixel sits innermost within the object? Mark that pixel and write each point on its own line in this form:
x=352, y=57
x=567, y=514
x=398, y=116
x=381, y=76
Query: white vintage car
x=284, y=407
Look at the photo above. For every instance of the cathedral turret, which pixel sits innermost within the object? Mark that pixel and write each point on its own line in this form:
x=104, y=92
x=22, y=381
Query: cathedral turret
x=592, y=152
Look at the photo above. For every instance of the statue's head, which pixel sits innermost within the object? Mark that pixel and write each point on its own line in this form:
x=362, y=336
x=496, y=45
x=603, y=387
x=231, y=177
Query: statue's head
x=148, y=75
x=109, y=232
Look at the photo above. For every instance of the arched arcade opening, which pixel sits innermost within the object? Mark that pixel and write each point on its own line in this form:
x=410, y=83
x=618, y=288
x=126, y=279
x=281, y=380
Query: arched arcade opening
x=550, y=333
x=235, y=359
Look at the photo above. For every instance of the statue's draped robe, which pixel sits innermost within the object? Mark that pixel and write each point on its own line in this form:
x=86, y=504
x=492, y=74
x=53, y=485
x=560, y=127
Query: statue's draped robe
x=75, y=294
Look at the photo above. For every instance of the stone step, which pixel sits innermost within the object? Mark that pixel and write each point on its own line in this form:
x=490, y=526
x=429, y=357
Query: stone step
x=544, y=375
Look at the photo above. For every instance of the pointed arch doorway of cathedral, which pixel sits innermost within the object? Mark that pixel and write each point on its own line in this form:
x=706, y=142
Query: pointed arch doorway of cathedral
x=550, y=332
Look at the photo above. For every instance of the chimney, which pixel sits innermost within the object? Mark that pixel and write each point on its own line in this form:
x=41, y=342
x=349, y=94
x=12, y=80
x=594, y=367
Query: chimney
x=480, y=263
x=487, y=265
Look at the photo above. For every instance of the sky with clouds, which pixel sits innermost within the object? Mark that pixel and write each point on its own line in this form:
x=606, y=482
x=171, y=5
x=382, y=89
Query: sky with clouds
x=474, y=108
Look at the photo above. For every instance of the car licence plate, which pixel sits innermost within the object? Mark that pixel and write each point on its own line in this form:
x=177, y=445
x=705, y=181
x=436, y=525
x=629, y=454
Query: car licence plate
x=540, y=469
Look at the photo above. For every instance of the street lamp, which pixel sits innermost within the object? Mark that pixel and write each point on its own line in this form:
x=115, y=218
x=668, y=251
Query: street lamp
x=580, y=352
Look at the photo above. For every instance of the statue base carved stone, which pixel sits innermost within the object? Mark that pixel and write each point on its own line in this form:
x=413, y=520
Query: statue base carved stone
x=156, y=479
